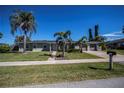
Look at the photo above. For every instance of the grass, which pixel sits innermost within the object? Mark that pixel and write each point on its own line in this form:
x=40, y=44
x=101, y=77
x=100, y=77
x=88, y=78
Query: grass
x=44, y=74
x=77, y=55
x=31, y=56
x=119, y=51
x=40, y=56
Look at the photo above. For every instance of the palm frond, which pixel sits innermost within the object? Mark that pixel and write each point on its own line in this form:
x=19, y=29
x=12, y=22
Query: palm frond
x=23, y=20
x=1, y=35
x=68, y=32
x=58, y=34
x=58, y=39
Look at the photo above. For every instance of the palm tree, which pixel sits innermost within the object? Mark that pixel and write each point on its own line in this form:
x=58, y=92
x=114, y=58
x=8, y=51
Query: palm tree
x=98, y=38
x=81, y=41
x=1, y=35
x=21, y=39
x=96, y=30
x=90, y=35
x=62, y=39
x=68, y=39
x=123, y=30
x=85, y=41
x=68, y=33
x=23, y=21
x=103, y=44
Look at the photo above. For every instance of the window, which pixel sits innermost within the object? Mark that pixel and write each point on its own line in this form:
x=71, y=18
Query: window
x=34, y=46
x=44, y=46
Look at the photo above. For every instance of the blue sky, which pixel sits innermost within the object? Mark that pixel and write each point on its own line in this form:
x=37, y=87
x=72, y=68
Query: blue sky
x=78, y=19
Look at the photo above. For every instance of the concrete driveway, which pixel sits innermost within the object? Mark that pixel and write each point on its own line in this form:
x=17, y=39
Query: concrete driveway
x=118, y=58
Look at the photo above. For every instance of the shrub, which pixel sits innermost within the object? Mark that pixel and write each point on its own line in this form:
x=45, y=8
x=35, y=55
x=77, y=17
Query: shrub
x=121, y=47
x=15, y=48
x=103, y=46
x=73, y=50
x=4, y=48
x=59, y=50
x=59, y=54
x=47, y=54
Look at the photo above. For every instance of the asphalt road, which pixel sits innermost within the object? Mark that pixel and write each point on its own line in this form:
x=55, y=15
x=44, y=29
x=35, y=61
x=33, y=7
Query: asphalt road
x=101, y=83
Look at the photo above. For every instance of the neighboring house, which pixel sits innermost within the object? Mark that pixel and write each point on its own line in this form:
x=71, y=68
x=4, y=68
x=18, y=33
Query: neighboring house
x=116, y=44
x=47, y=45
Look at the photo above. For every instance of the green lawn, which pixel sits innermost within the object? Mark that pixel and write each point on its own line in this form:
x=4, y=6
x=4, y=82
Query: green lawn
x=77, y=55
x=31, y=56
x=44, y=74
x=121, y=52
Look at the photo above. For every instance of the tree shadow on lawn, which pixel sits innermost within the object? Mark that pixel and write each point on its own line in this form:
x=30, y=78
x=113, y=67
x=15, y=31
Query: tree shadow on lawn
x=98, y=68
x=45, y=54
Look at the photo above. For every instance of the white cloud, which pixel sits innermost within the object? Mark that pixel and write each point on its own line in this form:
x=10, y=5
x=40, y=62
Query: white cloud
x=113, y=36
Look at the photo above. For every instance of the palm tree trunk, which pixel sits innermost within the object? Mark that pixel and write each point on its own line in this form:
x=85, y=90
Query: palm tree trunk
x=63, y=50
x=56, y=47
x=81, y=48
x=86, y=47
x=24, y=44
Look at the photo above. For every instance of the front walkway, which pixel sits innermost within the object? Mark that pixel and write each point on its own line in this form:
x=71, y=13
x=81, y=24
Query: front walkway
x=100, y=83
x=53, y=56
x=22, y=63
x=118, y=58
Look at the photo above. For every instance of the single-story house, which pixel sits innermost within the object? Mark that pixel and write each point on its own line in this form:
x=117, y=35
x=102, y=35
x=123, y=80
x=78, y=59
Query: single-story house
x=116, y=44
x=50, y=45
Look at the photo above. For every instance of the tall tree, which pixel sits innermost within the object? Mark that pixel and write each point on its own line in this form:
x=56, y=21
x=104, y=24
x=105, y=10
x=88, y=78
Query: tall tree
x=68, y=39
x=80, y=43
x=25, y=22
x=96, y=31
x=1, y=35
x=62, y=39
x=21, y=39
x=90, y=35
x=100, y=38
x=85, y=41
x=123, y=30
x=103, y=44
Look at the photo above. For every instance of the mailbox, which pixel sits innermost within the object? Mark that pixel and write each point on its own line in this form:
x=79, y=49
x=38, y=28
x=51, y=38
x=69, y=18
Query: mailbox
x=111, y=54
